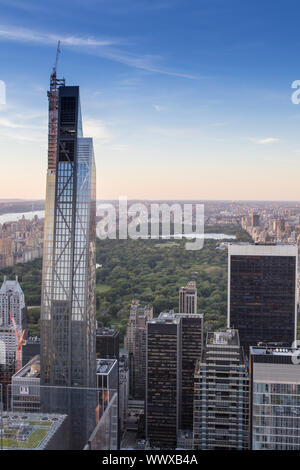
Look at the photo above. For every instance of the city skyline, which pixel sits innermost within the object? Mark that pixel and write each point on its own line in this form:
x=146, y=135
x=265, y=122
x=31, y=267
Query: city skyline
x=160, y=313
x=212, y=87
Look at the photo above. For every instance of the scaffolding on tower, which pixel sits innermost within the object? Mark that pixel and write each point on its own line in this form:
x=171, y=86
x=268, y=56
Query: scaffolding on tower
x=20, y=342
x=53, y=113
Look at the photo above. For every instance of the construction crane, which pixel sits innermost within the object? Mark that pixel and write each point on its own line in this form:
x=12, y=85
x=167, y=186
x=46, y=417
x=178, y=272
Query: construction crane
x=20, y=342
x=53, y=105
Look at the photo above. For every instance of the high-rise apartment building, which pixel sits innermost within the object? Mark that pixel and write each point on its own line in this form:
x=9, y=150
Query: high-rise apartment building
x=12, y=301
x=30, y=348
x=191, y=349
x=25, y=388
x=163, y=398
x=281, y=224
x=107, y=383
x=123, y=393
x=262, y=293
x=107, y=343
x=68, y=324
x=176, y=338
x=221, y=400
x=188, y=298
x=135, y=343
x=12, y=306
x=68, y=289
x=108, y=347
x=275, y=398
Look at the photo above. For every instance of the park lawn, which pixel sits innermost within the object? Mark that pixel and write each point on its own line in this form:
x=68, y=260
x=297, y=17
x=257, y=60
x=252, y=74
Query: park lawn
x=32, y=442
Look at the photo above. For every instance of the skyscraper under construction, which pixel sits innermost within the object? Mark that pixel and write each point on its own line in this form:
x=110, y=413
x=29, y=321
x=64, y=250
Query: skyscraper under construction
x=68, y=325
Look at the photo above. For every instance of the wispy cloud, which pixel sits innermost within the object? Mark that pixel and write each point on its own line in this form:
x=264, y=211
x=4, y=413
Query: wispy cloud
x=158, y=107
x=5, y=122
x=169, y=132
x=219, y=124
x=30, y=36
x=97, y=129
x=99, y=47
x=18, y=124
x=267, y=140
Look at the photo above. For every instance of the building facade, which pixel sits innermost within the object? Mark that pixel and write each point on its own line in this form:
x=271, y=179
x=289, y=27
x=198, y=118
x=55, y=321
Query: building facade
x=12, y=301
x=135, y=343
x=68, y=324
x=30, y=349
x=262, y=292
x=191, y=350
x=188, y=298
x=107, y=343
x=12, y=306
x=275, y=398
x=25, y=388
x=123, y=393
x=221, y=399
x=163, y=397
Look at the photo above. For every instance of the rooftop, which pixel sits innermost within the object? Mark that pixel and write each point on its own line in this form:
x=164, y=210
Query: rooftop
x=262, y=249
x=166, y=317
x=227, y=337
x=104, y=366
x=266, y=349
x=190, y=287
x=8, y=285
x=31, y=370
x=106, y=332
x=29, y=430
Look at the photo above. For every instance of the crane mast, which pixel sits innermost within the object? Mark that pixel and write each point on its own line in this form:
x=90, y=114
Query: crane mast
x=20, y=342
x=53, y=115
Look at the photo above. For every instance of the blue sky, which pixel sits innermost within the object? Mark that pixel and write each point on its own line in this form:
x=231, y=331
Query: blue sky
x=185, y=99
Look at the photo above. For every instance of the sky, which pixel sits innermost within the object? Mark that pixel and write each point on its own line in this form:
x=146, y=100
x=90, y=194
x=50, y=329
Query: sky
x=185, y=99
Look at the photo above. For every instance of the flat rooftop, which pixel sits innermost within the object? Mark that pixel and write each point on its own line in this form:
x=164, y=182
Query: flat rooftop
x=262, y=249
x=106, y=332
x=104, y=366
x=31, y=370
x=272, y=350
x=28, y=430
x=227, y=337
x=164, y=317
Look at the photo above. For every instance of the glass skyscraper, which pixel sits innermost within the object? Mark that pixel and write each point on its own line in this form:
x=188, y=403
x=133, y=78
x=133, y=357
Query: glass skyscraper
x=221, y=394
x=262, y=301
x=275, y=398
x=68, y=324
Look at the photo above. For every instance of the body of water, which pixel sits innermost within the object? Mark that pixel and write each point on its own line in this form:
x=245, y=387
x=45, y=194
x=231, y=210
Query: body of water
x=214, y=236
x=14, y=217
x=41, y=214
